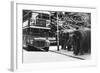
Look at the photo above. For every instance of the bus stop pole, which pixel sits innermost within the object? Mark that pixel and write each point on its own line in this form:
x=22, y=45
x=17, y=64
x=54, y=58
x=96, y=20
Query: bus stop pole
x=57, y=33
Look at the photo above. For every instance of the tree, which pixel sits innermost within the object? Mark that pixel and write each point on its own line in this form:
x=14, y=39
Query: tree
x=26, y=15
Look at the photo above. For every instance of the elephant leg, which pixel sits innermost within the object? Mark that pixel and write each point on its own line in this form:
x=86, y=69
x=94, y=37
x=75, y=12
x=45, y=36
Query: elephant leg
x=64, y=46
x=76, y=47
x=69, y=47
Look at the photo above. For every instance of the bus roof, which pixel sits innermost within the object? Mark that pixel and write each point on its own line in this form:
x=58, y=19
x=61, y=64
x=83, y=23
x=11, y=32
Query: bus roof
x=45, y=12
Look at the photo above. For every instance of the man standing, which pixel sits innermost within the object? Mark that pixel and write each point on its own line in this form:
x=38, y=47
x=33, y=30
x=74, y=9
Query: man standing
x=64, y=39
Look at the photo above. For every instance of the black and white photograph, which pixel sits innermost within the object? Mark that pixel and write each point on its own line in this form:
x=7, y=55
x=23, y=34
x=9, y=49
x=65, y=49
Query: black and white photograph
x=54, y=36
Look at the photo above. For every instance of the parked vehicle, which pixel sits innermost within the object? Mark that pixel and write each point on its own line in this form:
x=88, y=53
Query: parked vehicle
x=36, y=32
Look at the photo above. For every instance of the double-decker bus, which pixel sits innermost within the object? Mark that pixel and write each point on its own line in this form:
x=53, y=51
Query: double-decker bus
x=36, y=31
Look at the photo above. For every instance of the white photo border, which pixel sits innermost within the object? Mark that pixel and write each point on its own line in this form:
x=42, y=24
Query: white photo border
x=18, y=65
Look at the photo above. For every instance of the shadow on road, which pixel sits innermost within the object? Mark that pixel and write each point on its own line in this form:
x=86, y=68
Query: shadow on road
x=32, y=49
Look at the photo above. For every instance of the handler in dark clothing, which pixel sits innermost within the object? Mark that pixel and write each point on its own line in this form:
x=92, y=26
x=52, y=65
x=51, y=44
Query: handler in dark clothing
x=64, y=39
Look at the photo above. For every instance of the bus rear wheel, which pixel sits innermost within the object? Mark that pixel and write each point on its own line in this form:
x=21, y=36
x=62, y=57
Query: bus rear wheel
x=46, y=49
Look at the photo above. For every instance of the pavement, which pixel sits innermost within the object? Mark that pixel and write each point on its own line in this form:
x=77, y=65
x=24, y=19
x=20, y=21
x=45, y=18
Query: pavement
x=70, y=53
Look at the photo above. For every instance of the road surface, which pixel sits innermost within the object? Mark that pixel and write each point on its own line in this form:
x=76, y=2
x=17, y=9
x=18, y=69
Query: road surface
x=40, y=56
